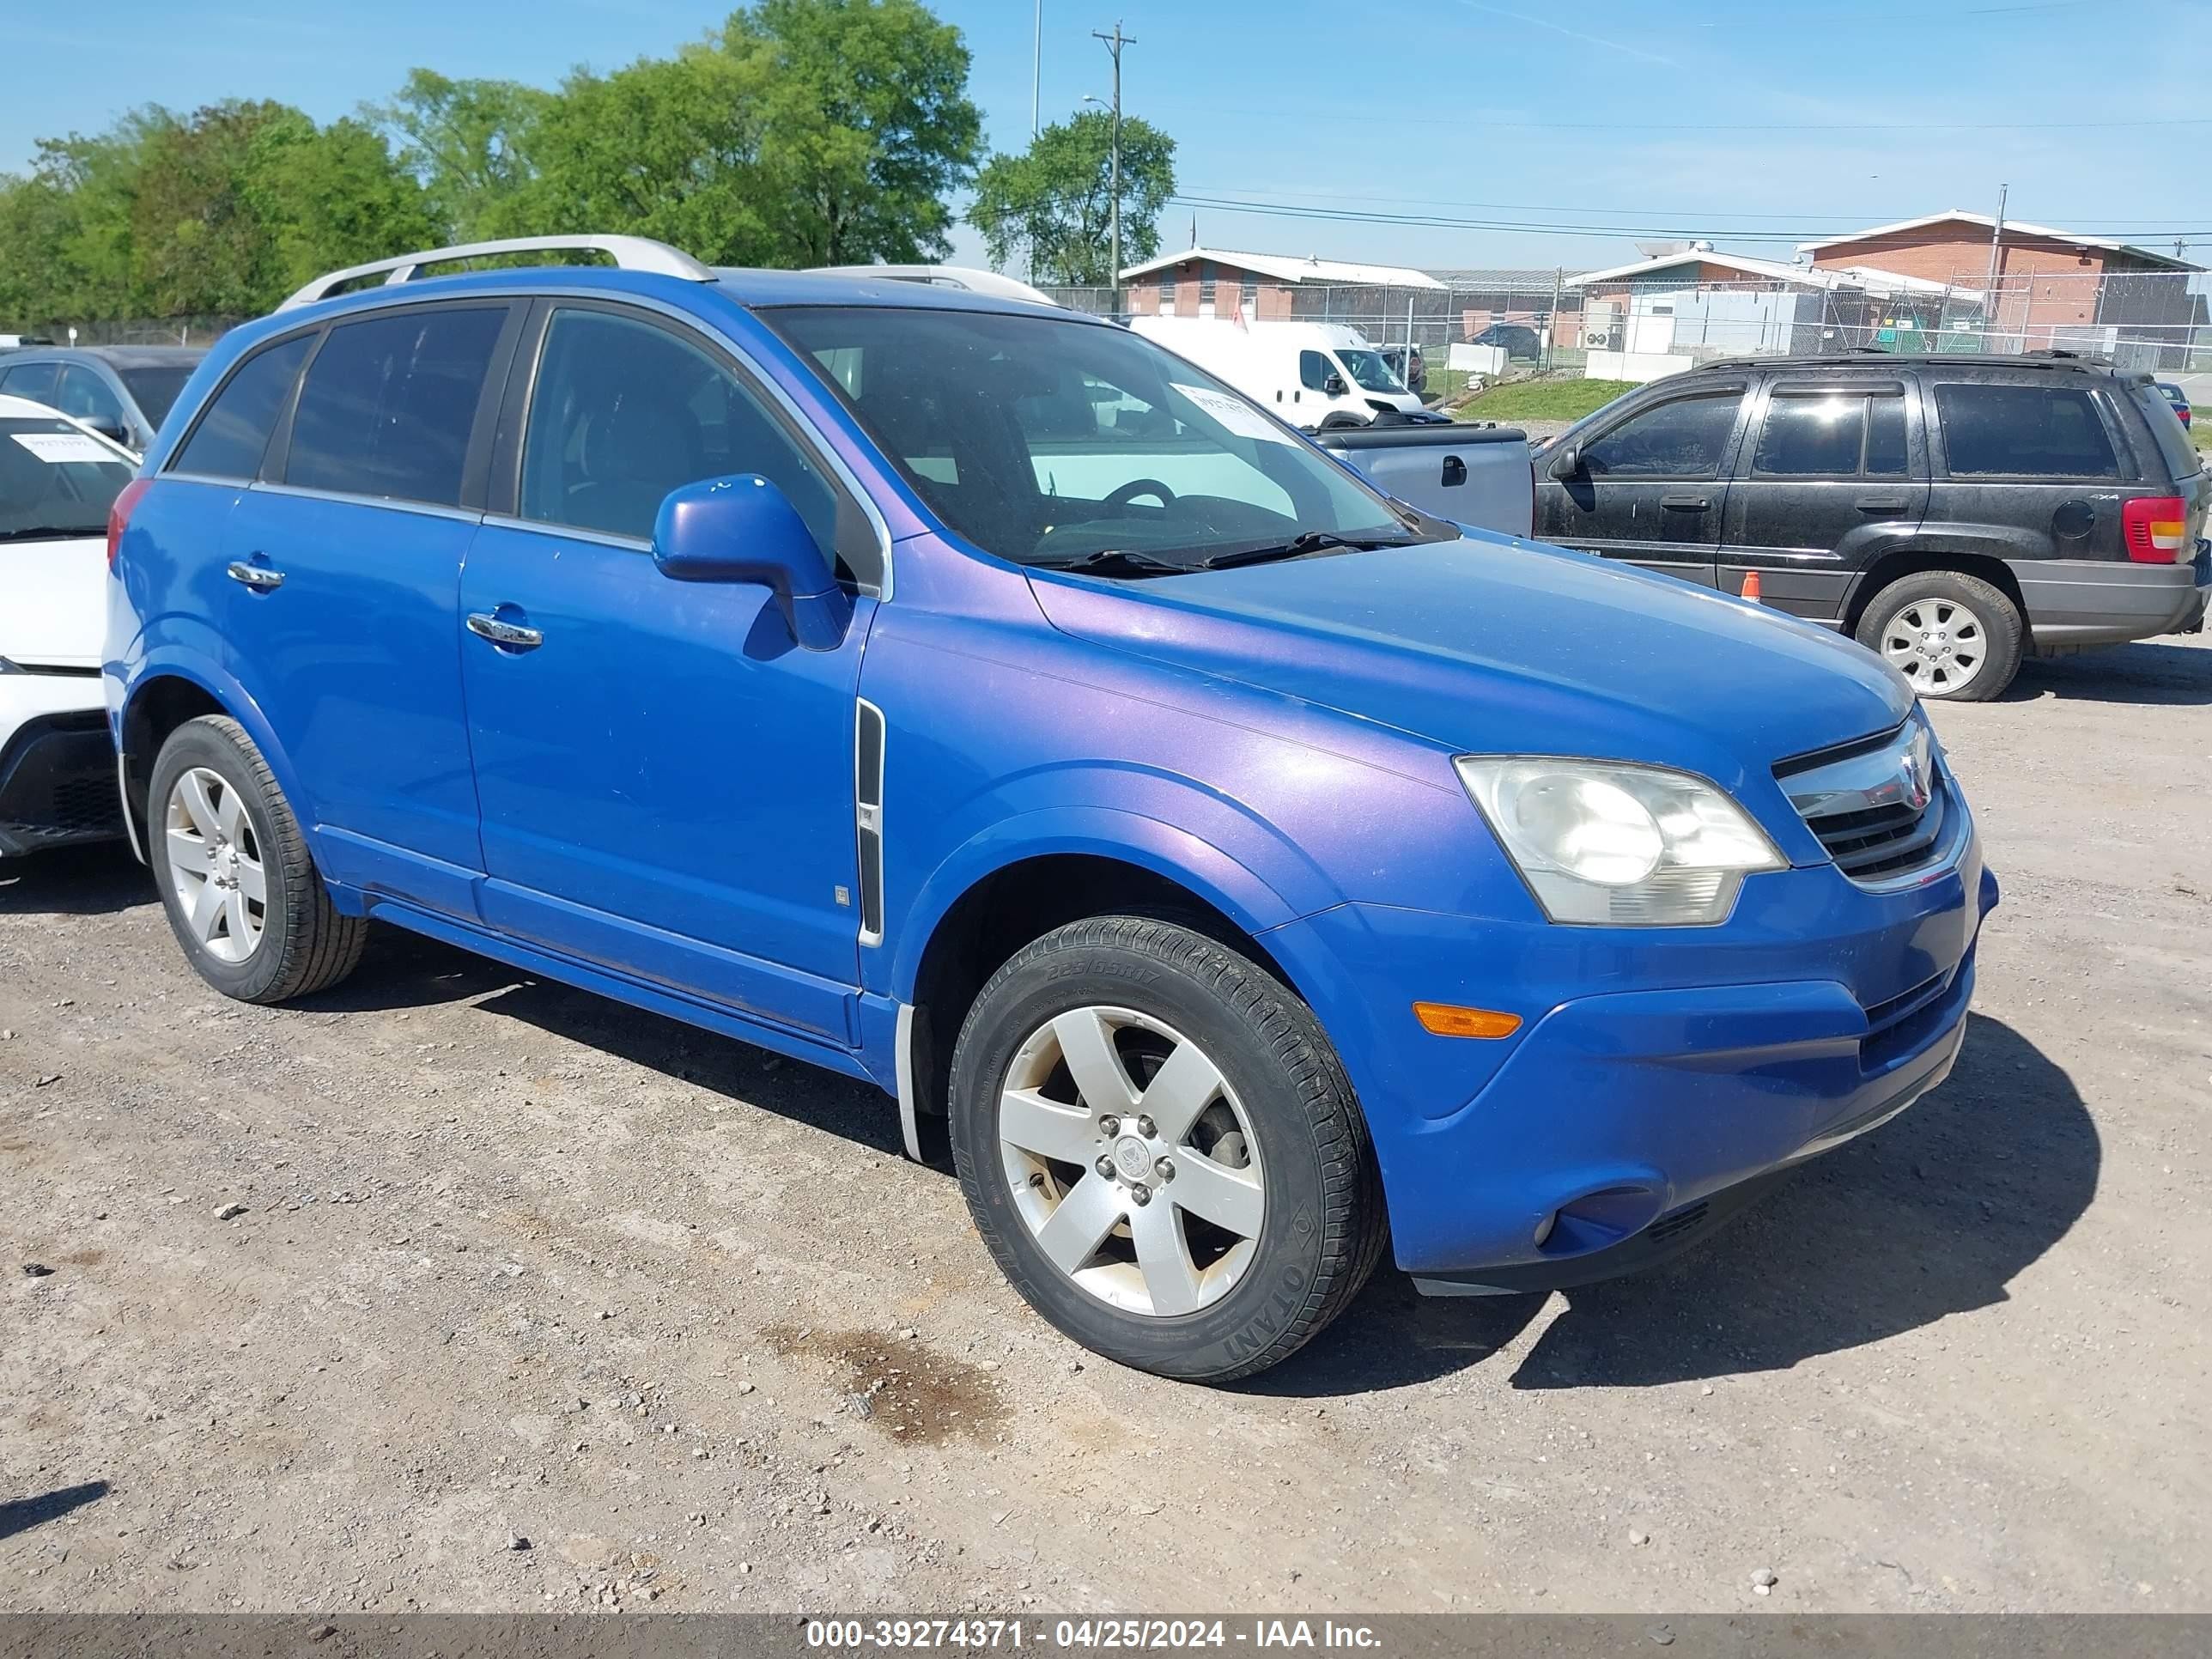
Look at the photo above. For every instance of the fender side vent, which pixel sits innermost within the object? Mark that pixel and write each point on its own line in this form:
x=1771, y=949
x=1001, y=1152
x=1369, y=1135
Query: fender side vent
x=868, y=817
x=1684, y=1220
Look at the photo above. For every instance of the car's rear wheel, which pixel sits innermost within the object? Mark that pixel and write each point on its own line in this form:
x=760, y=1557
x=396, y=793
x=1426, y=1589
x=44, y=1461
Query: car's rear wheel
x=1162, y=1150
x=243, y=897
x=1955, y=637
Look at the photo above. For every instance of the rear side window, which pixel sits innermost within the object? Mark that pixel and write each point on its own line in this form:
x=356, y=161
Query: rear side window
x=2008, y=431
x=2165, y=427
x=1832, y=435
x=1682, y=439
x=33, y=381
x=228, y=441
x=389, y=402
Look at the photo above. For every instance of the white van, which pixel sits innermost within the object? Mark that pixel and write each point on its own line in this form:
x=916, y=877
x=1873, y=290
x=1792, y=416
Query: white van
x=1314, y=375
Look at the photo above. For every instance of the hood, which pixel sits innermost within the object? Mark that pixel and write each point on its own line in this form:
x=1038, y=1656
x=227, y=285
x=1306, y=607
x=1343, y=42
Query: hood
x=1493, y=646
x=53, y=602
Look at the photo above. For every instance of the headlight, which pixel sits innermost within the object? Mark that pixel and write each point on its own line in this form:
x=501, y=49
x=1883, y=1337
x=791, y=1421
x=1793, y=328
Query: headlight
x=7, y=667
x=1605, y=843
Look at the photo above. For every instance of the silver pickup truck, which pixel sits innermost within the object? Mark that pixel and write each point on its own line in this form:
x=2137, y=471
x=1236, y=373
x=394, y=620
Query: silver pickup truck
x=1476, y=476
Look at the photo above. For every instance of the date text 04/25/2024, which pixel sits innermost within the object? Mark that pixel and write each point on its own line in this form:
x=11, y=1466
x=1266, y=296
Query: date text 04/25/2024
x=1082, y=1635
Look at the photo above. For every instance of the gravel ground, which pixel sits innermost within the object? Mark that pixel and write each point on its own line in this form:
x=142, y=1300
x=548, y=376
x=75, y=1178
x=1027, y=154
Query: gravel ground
x=538, y=1302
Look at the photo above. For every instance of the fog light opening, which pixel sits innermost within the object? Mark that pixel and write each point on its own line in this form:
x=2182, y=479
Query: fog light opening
x=1544, y=1229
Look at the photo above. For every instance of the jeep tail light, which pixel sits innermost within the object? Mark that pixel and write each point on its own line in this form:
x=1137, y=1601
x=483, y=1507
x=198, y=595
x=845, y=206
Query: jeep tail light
x=119, y=514
x=2152, y=526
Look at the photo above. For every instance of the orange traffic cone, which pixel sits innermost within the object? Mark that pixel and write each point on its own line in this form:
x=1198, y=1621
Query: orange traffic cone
x=1751, y=588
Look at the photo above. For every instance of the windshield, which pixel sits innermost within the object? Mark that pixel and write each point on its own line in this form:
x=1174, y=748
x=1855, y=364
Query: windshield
x=54, y=480
x=1369, y=368
x=1050, y=442
x=154, y=389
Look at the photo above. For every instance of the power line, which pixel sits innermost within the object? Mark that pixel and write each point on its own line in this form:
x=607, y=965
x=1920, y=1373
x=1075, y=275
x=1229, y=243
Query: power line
x=1472, y=123
x=1441, y=221
x=1246, y=191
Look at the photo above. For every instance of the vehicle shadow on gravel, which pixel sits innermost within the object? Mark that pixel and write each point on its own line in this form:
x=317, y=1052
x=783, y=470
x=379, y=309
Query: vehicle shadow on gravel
x=402, y=971
x=1931, y=1215
x=75, y=881
x=2139, y=673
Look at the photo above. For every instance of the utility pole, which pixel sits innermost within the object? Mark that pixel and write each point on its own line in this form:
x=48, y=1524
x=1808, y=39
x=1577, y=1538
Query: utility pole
x=1990, y=290
x=1036, y=70
x=1114, y=43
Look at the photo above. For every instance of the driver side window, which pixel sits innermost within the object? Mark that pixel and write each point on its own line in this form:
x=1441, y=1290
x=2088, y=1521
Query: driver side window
x=1684, y=438
x=623, y=411
x=1313, y=371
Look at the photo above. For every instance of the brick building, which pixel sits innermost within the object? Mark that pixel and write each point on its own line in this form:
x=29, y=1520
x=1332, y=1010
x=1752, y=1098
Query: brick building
x=2050, y=287
x=1203, y=282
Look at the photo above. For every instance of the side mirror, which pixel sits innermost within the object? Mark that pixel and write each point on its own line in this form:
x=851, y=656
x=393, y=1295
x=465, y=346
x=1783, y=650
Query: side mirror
x=112, y=430
x=744, y=528
x=1333, y=386
x=1568, y=463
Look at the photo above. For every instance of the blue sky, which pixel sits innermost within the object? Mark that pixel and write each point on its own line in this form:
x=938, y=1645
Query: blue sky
x=1754, y=123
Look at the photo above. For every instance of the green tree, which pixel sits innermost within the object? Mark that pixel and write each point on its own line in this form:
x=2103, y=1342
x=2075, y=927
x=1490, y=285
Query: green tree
x=469, y=144
x=1054, y=203
x=866, y=124
x=667, y=148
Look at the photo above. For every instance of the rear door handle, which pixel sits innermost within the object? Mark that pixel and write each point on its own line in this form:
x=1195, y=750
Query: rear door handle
x=258, y=577
x=1881, y=503
x=512, y=636
x=1683, y=499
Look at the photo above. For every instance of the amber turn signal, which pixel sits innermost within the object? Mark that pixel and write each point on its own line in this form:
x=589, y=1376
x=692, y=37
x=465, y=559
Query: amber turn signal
x=1446, y=1020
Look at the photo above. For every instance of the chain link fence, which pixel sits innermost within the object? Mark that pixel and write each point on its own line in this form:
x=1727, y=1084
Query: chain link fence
x=2154, y=320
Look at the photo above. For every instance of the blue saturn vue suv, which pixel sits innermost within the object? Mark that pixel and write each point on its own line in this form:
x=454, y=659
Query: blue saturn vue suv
x=1245, y=871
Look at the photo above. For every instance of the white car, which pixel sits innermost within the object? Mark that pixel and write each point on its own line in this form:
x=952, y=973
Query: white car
x=57, y=479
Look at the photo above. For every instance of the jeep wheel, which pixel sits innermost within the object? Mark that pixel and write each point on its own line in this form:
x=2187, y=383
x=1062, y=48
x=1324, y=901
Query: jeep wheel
x=1159, y=1146
x=1955, y=637
x=243, y=897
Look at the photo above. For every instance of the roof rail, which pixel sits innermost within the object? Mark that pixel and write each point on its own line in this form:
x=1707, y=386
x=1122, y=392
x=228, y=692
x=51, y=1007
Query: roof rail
x=628, y=254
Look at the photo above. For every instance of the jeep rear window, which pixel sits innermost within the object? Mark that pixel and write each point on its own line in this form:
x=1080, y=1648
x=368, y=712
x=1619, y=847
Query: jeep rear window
x=2181, y=458
x=2013, y=431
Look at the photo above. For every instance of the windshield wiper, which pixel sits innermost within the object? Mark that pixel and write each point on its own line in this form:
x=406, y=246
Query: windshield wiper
x=1116, y=560
x=1300, y=546
x=55, y=531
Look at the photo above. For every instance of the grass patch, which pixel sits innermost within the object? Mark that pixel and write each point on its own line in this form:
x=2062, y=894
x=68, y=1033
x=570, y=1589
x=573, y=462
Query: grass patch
x=1543, y=400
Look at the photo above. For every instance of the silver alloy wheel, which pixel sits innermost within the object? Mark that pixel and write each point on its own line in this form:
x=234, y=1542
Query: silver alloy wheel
x=1120, y=1140
x=215, y=865
x=1937, y=644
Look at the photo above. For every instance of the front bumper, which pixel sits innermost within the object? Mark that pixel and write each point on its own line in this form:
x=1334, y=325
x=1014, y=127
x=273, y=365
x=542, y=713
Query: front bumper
x=56, y=764
x=2081, y=602
x=1660, y=1077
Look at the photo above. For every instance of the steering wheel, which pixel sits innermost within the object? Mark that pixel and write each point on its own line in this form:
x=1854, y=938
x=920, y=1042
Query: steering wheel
x=1136, y=487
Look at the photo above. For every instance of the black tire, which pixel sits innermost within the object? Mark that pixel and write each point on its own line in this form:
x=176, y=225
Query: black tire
x=306, y=945
x=1323, y=1228
x=2005, y=633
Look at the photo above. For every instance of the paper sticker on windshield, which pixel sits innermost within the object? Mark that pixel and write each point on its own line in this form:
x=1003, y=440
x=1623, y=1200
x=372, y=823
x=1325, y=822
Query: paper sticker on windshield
x=56, y=448
x=1234, y=413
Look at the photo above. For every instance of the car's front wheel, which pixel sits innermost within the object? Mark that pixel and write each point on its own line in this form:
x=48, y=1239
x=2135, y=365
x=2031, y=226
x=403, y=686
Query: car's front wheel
x=1159, y=1146
x=243, y=897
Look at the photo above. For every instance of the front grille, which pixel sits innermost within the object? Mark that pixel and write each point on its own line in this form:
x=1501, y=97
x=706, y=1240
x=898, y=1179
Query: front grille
x=1879, y=807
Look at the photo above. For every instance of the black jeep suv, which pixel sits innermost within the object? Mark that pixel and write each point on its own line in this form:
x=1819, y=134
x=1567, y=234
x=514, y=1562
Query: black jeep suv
x=1953, y=513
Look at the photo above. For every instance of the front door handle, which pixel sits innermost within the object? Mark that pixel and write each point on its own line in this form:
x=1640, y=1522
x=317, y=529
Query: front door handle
x=258, y=577
x=1881, y=503
x=1688, y=502
x=512, y=636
